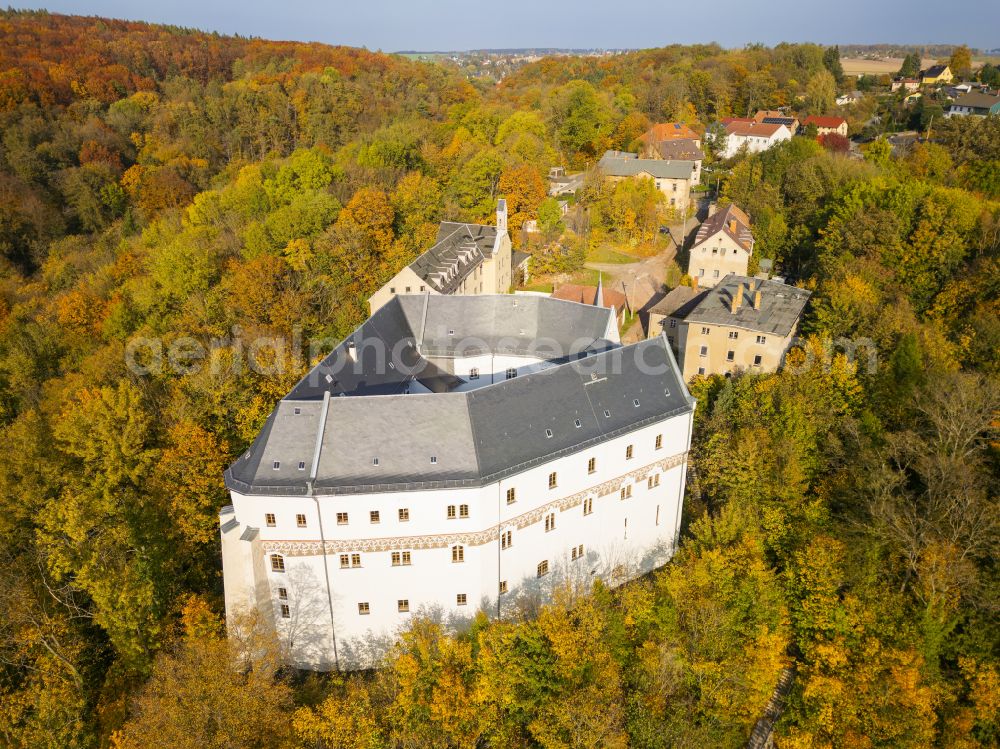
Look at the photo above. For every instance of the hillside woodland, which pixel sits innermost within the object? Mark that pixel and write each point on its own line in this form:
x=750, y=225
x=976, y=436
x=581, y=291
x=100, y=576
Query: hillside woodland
x=841, y=517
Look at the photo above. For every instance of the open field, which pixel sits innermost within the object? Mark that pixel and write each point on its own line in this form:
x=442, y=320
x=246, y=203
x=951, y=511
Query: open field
x=888, y=65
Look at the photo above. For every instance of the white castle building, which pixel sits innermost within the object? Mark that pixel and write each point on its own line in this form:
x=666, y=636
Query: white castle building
x=455, y=454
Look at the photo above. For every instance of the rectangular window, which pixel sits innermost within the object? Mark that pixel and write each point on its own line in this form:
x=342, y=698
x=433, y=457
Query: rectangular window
x=715, y=274
x=341, y=518
x=355, y=560
x=653, y=481
x=733, y=335
x=730, y=355
x=474, y=373
x=701, y=370
x=403, y=605
x=506, y=539
x=457, y=554
x=543, y=568
x=286, y=613
x=463, y=511
x=363, y=608
x=404, y=514
x=704, y=351
x=659, y=441
x=451, y=512
x=757, y=360
x=511, y=373
x=592, y=465
x=576, y=552
x=588, y=505
x=706, y=331
x=269, y=519
x=550, y=522
x=345, y=561
x=300, y=520
x=277, y=563
x=503, y=587
x=461, y=599
x=511, y=496
x=283, y=594
x=397, y=558
x=374, y=516
x=701, y=271
x=626, y=491
x=629, y=452
x=762, y=339
x=552, y=480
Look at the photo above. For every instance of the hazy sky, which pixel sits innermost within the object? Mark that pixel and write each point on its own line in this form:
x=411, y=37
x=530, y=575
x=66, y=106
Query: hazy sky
x=393, y=25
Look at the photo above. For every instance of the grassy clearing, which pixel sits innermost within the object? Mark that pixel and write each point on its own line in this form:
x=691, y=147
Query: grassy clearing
x=605, y=254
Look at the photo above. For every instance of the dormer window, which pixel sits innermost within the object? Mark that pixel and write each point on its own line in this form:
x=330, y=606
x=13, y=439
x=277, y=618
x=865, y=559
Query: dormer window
x=277, y=465
x=302, y=465
x=635, y=402
x=434, y=460
x=374, y=461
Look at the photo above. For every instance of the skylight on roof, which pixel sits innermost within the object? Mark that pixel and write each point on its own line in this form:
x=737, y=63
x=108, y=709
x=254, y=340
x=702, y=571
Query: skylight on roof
x=374, y=461
x=635, y=402
x=577, y=423
x=607, y=414
x=302, y=465
x=297, y=410
x=548, y=433
x=277, y=465
x=434, y=460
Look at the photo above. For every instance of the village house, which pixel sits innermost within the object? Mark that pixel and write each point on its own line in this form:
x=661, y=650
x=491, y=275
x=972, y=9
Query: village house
x=673, y=178
x=754, y=136
x=465, y=259
x=907, y=84
x=976, y=104
x=667, y=131
x=775, y=117
x=826, y=125
x=663, y=315
x=596, y=296
x=742, y=323
x=936, y=74
x=722, y=246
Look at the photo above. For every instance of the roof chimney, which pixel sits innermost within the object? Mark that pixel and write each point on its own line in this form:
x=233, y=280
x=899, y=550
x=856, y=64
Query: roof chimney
x=737, y=298
x=732, y=225
x=756, y=299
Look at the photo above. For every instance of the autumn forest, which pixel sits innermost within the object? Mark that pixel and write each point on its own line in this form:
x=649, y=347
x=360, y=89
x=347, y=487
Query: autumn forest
x=841, y=519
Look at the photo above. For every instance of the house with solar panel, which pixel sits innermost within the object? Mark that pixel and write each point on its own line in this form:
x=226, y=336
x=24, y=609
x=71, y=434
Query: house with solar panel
x=465, y=259
x=455, y=454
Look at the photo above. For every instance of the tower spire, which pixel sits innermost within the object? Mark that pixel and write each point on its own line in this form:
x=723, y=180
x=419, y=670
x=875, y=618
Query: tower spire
x=599, y=296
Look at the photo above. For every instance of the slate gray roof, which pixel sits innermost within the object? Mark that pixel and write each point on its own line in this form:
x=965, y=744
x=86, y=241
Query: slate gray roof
x=978, y=100
x=457, y=252
x=476, y=436
x=780, y=309
x=518, y=257
x=676, y=302
x=682, y=148
x=722, y=220
x=625, y=164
